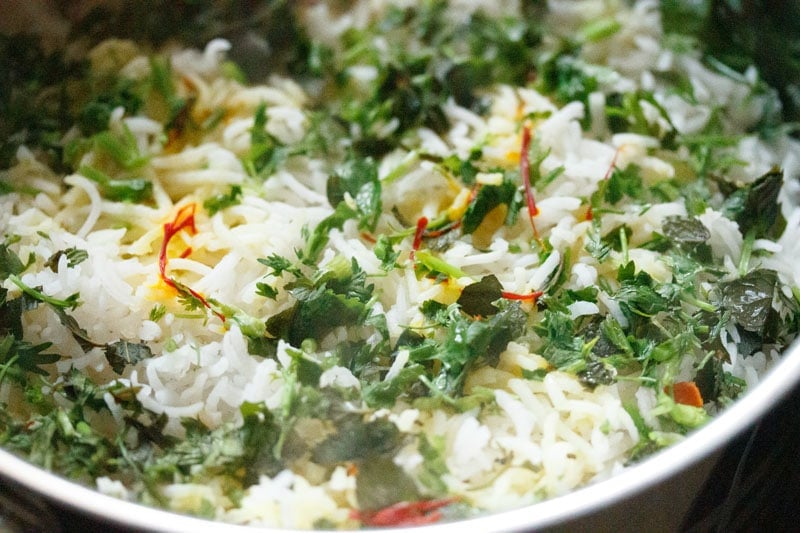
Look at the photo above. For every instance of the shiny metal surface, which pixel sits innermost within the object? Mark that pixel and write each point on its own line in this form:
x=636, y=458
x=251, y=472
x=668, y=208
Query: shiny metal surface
x=655, y=488
x=615, y=503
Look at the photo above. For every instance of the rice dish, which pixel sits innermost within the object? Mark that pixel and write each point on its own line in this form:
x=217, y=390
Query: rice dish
x=418, y=282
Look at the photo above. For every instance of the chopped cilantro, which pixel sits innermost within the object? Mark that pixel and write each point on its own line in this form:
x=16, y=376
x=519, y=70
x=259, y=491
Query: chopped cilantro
x=266, y=152
x=488, y=198
x=356, y=180
x=75, y=256
x=471, y=342
x=124, y=190
x=222, y=201
x=157, y=312
x=335, y=296
x=122, y=148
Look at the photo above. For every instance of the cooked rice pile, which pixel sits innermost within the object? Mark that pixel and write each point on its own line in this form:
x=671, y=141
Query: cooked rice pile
x=532, y=431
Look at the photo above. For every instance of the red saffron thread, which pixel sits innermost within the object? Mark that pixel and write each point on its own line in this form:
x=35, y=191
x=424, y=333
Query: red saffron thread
x=184, y=220
x=404, y=513
x=422, y=223
x=525, y=170
x=531, y=296
x=441, y=231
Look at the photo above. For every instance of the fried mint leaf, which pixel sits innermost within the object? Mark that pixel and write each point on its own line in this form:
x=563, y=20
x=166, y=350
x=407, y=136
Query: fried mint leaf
x=357, y=440
x=755, y=207
x=476, y=299
x=122, y=353
x=597, y=373
x=749, y=298
x=687, y=230
x=381, y=483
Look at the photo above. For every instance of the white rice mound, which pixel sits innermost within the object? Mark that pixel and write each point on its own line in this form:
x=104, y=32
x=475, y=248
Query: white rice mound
x=537, y=439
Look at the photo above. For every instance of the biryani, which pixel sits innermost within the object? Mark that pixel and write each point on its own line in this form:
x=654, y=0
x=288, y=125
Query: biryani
x=456, y=258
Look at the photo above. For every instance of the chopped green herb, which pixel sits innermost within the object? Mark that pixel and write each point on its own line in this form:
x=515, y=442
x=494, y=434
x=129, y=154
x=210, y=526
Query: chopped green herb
x=219, y=202
x=125, y=190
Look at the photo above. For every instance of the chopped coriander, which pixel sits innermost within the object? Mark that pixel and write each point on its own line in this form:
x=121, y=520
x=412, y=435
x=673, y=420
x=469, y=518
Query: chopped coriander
x=157, y=312
x=219, y=202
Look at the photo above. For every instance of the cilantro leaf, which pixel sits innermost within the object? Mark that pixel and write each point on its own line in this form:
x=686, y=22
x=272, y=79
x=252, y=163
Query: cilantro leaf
x=18, y=356
x=566, y=77
x=157, y=312
x=161, y=81
x=122, y=148
x=385, y=393
x=318, y=238
x=637, y=296
x=75, y=256
x=384, y=250
x=219, y=202
x=621, y=183
x=94, y=116
x=336, y=296
x=358, y=178
x=69, y=302
x=488, y=198
x=266, y=152
x=436, y=265
x=122, y=190
x=560, y=345
x=470, y=342
x=279, y=265
x=267, y=291
x=626, y=112
x=465, y=169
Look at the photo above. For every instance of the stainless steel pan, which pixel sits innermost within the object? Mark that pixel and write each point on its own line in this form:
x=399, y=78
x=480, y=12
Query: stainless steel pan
x=652, y=494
